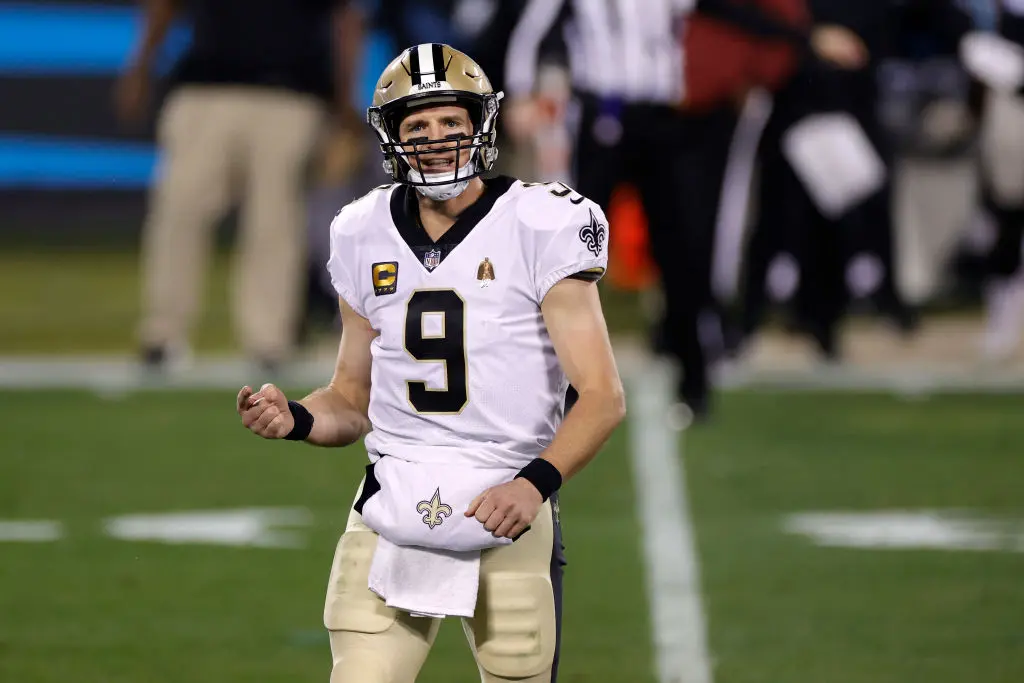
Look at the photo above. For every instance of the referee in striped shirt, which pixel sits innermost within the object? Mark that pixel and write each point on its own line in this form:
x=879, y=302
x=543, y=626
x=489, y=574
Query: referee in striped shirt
x=626, y=67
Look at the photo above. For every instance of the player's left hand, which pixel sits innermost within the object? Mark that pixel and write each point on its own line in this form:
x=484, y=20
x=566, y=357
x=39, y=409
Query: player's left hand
x=507, y=509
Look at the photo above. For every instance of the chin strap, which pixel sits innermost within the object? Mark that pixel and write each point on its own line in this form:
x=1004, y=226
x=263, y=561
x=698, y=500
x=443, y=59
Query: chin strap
x=440, y=190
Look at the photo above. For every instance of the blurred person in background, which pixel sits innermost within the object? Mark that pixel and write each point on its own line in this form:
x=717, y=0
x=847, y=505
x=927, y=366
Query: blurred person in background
x=627, y=71
x=798, y=251
x=247, y=104
x=1002, y=177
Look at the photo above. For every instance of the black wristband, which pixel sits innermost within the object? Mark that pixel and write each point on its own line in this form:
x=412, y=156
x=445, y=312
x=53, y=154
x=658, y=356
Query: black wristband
x=303, y=422
x=543, y=475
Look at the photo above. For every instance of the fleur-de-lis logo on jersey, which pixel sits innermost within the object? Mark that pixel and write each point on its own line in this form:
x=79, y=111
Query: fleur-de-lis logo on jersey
x=593, y=235
x=434, y=511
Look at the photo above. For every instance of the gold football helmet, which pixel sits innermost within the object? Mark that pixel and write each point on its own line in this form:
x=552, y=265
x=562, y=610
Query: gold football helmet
x=428, y=75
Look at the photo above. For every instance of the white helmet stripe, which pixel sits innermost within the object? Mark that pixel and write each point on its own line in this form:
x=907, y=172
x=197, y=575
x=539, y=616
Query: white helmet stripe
x=427, y=66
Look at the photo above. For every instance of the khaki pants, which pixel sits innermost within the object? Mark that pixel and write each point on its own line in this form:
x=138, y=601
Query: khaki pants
x=512, y=635
x=221, y=145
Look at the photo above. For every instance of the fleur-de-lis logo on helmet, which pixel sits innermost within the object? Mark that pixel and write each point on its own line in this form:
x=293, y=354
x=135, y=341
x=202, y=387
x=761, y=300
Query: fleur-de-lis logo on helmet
x=434, y=511
x=593, y=235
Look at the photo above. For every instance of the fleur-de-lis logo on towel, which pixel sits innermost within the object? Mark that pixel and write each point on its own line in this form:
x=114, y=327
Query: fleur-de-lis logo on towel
x=593, y=234
x=434, y=511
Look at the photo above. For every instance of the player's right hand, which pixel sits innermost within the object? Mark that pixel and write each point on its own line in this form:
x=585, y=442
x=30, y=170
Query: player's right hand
x=265, y=412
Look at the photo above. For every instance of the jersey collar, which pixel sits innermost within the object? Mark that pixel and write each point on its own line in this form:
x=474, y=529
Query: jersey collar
x=406, y=215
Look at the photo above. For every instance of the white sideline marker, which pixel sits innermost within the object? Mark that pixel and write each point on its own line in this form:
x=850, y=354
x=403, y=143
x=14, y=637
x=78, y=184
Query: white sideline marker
x=670, y=551
x=30, y=531
x=254, y=527
x=956, y=530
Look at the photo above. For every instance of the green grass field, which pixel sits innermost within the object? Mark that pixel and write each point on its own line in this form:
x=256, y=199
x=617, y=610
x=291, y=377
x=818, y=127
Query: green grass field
x=780, y=609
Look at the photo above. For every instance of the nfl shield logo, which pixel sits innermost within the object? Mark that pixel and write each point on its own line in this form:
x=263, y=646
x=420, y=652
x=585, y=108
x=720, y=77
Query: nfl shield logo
x=432, y=259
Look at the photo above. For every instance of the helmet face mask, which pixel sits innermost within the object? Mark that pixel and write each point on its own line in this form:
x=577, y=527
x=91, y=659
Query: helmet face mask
x=434, y=75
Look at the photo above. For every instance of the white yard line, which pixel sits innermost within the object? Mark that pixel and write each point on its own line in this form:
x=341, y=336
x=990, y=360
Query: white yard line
x=117, y=374
x=669, y=545
x=114, y=374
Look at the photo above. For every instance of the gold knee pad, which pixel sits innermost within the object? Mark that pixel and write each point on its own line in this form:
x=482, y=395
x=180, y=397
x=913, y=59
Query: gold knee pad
x=350, y=604
x=514, y=632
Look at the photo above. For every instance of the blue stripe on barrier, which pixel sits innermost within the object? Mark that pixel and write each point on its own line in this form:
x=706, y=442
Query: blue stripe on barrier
x=37, y=39
x=41, y=162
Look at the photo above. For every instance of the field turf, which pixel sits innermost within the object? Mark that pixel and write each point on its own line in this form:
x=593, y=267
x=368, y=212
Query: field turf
x=780, y=609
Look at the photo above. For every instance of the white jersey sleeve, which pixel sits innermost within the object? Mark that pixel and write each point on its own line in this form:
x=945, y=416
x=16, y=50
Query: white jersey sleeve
x=353, y=219
x=569, y=234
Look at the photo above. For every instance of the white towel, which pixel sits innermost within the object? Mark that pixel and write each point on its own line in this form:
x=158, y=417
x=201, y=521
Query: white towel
x=424, y=581
x=427, y=560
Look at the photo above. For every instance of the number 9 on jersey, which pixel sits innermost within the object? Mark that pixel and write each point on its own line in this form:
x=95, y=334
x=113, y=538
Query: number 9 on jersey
x=448, y=347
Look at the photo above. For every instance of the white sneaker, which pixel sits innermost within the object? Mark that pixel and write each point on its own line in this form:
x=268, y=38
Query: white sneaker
x=1004, y=322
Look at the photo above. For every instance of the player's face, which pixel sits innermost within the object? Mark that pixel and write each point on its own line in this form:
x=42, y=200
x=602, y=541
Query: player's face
x=440, y=125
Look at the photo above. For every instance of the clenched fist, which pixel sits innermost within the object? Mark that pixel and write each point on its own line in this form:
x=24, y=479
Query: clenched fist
x=265, y=412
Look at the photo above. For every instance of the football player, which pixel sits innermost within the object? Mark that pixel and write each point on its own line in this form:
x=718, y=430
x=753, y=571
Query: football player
x=468, y=306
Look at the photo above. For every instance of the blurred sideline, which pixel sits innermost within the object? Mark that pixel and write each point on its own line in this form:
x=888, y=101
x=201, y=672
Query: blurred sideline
x=941, y=358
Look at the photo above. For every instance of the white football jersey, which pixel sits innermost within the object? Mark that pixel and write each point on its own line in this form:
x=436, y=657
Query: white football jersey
x=463, y=368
